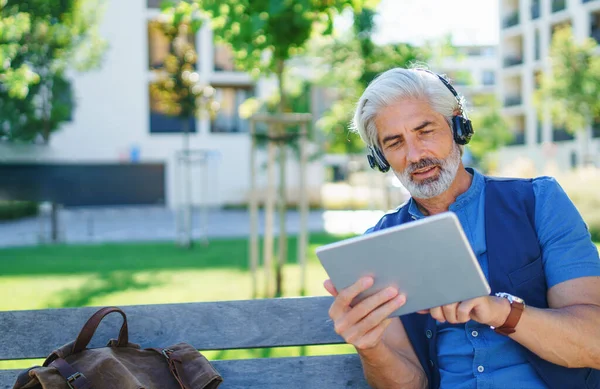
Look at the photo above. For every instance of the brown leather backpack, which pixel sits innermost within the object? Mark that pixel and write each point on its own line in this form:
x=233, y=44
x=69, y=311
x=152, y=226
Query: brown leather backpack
x=120, y=365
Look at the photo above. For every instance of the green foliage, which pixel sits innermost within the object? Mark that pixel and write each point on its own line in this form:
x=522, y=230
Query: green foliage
x=491, y=129
x=352, y=63
x=583, y=186
x=178, y=90
x=39, y=41
x=10, y=210
x=571, y=89
x=264, y=33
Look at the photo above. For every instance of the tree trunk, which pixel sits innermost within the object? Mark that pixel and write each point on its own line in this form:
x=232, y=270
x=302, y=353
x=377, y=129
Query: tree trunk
x=54, y=225
x=187, y=186
x=282, y=256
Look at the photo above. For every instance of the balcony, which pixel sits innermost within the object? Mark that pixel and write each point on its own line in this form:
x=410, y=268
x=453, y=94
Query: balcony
x=558, y=5
x=518, y=138
x=511, y=101
x=535, y=10
x=512, y=61
x=511, y=19
x=595, y=33
x=560, y=134
x=596, y=129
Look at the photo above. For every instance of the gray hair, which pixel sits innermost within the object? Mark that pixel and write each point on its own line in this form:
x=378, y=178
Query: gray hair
x=396, y=84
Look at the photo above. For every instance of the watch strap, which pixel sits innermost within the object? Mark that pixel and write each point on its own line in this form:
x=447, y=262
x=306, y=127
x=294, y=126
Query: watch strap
x=516, y=310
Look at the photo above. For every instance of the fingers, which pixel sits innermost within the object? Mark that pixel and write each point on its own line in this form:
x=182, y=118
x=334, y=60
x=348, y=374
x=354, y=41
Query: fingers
x=367, y=331
x=347, y=295
x=438, y=314
x=330, y=288
x=450, y=312
x=463, y=312
x=375, y=308
x=373, y=337
x=343, y=299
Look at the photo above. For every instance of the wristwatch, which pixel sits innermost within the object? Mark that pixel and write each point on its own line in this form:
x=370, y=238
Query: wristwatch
x=517, y=305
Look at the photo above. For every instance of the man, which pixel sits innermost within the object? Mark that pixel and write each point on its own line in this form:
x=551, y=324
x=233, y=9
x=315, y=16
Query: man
x=529, y=239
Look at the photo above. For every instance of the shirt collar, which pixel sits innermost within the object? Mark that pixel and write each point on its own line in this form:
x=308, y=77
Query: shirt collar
x=461, y=201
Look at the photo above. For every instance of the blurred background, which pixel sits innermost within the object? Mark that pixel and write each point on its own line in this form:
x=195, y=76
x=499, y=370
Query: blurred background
x=127, y=132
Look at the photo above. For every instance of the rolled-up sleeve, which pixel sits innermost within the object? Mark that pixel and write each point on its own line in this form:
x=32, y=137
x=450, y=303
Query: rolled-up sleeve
x=567, y=249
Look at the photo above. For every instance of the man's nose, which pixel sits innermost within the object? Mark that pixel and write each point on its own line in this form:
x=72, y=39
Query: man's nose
x=415, y=151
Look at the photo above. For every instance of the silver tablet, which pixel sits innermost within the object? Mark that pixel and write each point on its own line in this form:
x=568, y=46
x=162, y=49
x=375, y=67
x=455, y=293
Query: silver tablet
x=429, y=260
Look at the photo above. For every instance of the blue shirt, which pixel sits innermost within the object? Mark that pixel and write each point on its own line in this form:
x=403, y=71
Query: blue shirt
x=471, y=355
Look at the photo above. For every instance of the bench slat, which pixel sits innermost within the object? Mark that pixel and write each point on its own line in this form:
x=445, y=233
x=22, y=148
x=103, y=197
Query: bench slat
x=333, y=371
x=207, y=326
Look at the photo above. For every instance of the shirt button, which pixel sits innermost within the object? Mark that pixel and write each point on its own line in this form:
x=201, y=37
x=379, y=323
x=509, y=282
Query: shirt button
x=475, y=334
x=428, y=334
x=480, y=369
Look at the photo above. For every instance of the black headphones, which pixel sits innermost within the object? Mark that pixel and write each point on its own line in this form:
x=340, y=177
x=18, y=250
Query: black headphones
x=461, y=128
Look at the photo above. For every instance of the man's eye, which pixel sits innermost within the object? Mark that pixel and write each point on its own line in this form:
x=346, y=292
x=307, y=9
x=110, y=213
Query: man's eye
x=426, y=131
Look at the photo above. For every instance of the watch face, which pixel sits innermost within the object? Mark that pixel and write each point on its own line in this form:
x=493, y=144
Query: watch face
x=511, y=298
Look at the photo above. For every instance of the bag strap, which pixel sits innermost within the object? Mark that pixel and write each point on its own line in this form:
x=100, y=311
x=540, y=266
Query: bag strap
x=23, y=378
x=75, y=379
x=89, y=328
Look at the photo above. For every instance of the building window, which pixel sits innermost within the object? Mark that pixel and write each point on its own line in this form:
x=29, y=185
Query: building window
x=159, y=46
x=227, y=119
x=560, y=134
x=595, y=26
x=489, y=77
x=161, y=123
x=558, y=5
x=596, y=128
x=535, y=9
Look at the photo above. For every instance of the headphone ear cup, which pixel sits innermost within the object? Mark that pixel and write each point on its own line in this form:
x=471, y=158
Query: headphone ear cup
x=377, y=160
x=382, y=163
x=462, y=129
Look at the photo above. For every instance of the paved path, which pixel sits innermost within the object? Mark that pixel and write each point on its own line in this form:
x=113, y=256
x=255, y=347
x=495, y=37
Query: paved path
x=128, y=224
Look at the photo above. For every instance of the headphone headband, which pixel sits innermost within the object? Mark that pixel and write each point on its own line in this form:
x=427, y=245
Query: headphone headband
x=450, y=88
x=461, y=129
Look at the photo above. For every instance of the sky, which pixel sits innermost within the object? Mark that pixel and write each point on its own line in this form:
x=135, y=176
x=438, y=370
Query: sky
x=471, y=22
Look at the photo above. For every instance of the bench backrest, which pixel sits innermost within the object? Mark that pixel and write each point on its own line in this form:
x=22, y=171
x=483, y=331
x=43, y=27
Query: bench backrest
x=207, y=326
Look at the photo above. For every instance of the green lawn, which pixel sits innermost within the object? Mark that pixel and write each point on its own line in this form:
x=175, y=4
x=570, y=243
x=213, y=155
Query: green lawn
x=147, y=273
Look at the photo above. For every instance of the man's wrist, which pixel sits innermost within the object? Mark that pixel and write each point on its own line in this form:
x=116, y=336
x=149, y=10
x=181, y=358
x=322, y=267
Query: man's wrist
x=503, y=308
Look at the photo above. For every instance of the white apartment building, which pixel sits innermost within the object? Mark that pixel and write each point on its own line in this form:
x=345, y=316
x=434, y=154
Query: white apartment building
x=526, y=33
x=473, y=71
x=115, y=128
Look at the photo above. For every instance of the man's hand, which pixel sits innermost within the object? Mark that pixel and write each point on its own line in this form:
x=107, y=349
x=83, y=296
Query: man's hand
x=364, y=324
x=489, y=310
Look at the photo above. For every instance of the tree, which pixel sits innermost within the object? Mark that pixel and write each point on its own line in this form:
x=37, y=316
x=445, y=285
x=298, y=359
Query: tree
x=491, y=129
x=14, y=81
x=350, y=63
x=178, y=89
x=264, y=34
x=43, y=40
x=570, y=90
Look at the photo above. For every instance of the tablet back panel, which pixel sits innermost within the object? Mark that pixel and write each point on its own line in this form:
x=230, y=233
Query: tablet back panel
x=429, y=260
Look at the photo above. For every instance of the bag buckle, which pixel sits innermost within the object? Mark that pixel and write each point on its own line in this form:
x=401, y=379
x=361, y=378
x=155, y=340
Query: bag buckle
x=167, y=352
x=73, y=378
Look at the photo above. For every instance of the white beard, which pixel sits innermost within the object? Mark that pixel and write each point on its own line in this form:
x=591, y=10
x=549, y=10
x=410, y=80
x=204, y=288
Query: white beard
x=433, y=186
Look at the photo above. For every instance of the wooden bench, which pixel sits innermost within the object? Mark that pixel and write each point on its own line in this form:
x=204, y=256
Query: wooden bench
x=207, y=326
